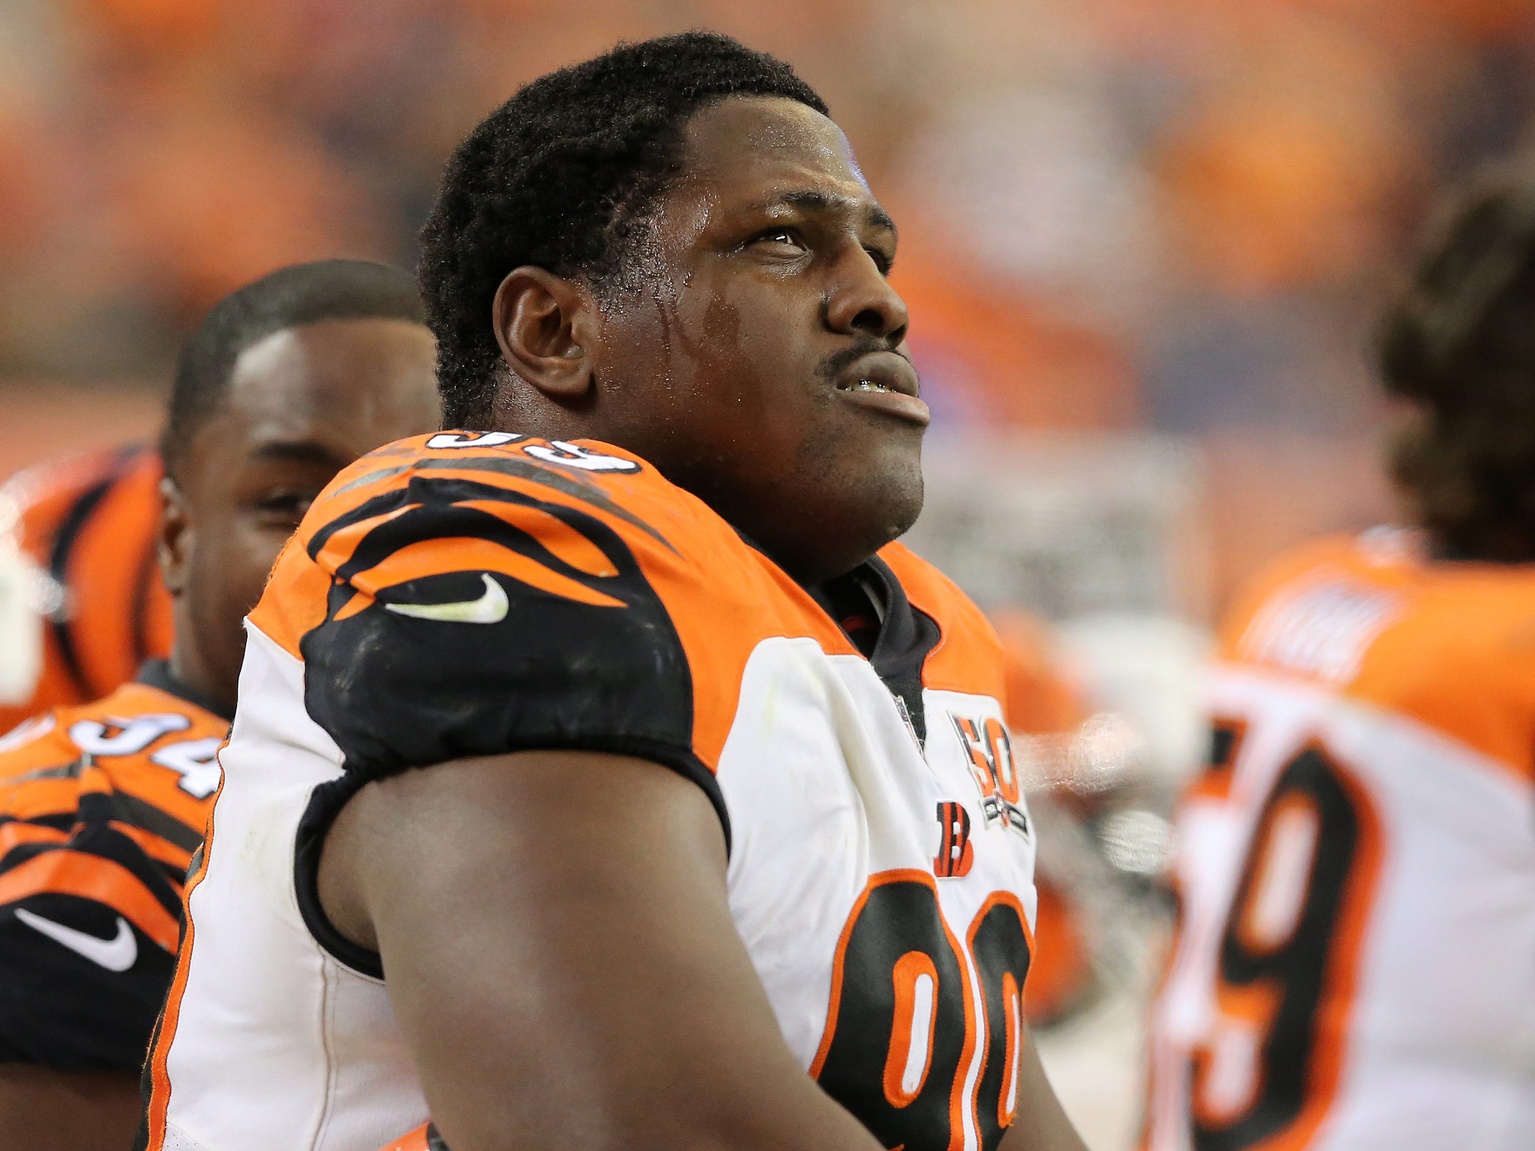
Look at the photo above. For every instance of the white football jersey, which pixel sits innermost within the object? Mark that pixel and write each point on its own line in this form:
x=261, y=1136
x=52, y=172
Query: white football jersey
x=461, y=595
x=1355, y=964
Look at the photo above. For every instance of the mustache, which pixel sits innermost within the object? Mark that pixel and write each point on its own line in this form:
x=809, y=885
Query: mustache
x=838, y=362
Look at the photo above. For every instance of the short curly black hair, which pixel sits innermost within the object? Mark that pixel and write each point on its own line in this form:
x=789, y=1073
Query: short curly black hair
x=1459, y=343
x=287, y=298
x=560, y=177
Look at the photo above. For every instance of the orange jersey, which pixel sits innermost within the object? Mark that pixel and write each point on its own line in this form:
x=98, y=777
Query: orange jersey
x=1355, y=965
x=89, y=525
x=460, y=595
x=101, y=808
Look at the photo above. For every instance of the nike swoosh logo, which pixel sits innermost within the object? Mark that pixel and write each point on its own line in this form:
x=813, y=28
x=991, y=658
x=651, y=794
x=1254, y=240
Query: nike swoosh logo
x=491, y=607
x=114, y=954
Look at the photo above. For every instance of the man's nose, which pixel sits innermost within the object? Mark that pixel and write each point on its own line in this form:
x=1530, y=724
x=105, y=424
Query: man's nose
x=862, y=302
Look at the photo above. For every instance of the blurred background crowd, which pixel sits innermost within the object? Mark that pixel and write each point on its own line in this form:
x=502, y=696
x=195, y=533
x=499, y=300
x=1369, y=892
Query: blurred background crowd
x=1117, y=215
x=1144, y=243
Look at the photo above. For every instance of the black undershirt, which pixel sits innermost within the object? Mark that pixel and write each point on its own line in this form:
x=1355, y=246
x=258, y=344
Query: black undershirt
x=870, y=606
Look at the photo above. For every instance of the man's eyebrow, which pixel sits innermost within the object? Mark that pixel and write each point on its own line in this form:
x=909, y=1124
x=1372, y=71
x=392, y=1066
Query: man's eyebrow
x=301, y=452
x=815, y=201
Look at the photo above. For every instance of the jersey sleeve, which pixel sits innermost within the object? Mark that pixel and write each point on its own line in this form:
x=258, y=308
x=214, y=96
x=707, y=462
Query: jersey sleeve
x=486, y=603
x=88, y=931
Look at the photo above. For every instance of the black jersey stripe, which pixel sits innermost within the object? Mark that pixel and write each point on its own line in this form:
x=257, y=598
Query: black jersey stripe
x=56, y=820
x=124, y=807
x=69, y=770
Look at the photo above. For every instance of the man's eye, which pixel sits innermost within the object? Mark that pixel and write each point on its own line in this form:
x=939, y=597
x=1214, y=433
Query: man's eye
x=285, y=505
x=786, y=236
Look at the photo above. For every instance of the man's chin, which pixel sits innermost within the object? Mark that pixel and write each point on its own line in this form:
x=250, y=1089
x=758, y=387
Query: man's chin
x=902, y=521
x=903, y=491
x=870, y=528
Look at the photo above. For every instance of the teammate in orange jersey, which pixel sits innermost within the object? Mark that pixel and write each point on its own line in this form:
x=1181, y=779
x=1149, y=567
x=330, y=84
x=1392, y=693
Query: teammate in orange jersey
x=102, y=804
x=605, y=776
x=88, y=524
x=1356, y=958
x=1044, y=707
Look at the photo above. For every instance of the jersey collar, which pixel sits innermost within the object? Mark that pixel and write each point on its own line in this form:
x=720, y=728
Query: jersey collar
x=906, y=634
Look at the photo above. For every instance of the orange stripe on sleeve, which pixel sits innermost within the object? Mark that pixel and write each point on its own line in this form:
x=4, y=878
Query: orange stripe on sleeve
x=14, y=834
x=159, y=849
x=339, y=548
x=92, y=877
x=554, y=533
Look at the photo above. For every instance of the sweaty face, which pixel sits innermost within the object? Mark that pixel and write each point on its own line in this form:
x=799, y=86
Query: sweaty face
x=302, y=404
x=758, y=353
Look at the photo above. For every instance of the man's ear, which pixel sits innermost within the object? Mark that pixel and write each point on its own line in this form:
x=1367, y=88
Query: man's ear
x=173, y=546
x=545, y=325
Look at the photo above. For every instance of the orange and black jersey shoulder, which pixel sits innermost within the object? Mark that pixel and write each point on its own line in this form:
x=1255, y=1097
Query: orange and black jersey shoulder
x=89, y=524
x=1378, y=619
x=101, y=808
x=458, y=595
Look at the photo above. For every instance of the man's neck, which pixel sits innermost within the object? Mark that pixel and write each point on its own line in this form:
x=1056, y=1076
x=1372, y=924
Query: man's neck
x=194, y=683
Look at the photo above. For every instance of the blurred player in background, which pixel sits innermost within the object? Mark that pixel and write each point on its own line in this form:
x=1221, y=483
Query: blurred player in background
x=1356, y=963
x=88, y=527
x=102, y=804
x=1045, y=710
x=634, y=788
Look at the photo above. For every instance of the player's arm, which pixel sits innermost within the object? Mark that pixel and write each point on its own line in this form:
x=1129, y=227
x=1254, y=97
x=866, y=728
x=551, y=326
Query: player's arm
x=562, y=959
x=87, y=939
x=46, y=1110
x=1041, y=1125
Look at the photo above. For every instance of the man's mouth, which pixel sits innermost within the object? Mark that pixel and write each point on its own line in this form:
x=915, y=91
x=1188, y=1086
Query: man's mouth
x=884, y=381
x=879, y=372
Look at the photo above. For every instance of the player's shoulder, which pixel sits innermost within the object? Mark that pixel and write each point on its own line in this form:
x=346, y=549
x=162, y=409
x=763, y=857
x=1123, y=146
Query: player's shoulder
x=481, y=593
x=1383, y=584
x=38, y=502
x=152, y=702
x=968, y=656
x=56, y=482
x=33, y=742
x=87, y=525
x=578, y=520
x=141, y=739
x=1316, y=584
x=571, y=496
x=1379, y=620
x=482, y=470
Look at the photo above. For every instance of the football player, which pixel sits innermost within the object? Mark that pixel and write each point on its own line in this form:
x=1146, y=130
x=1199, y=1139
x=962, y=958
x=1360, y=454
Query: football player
x=604, y=776
x=102, y=804
x=1045, y=712
x=87, y=524
x=1356, y=957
